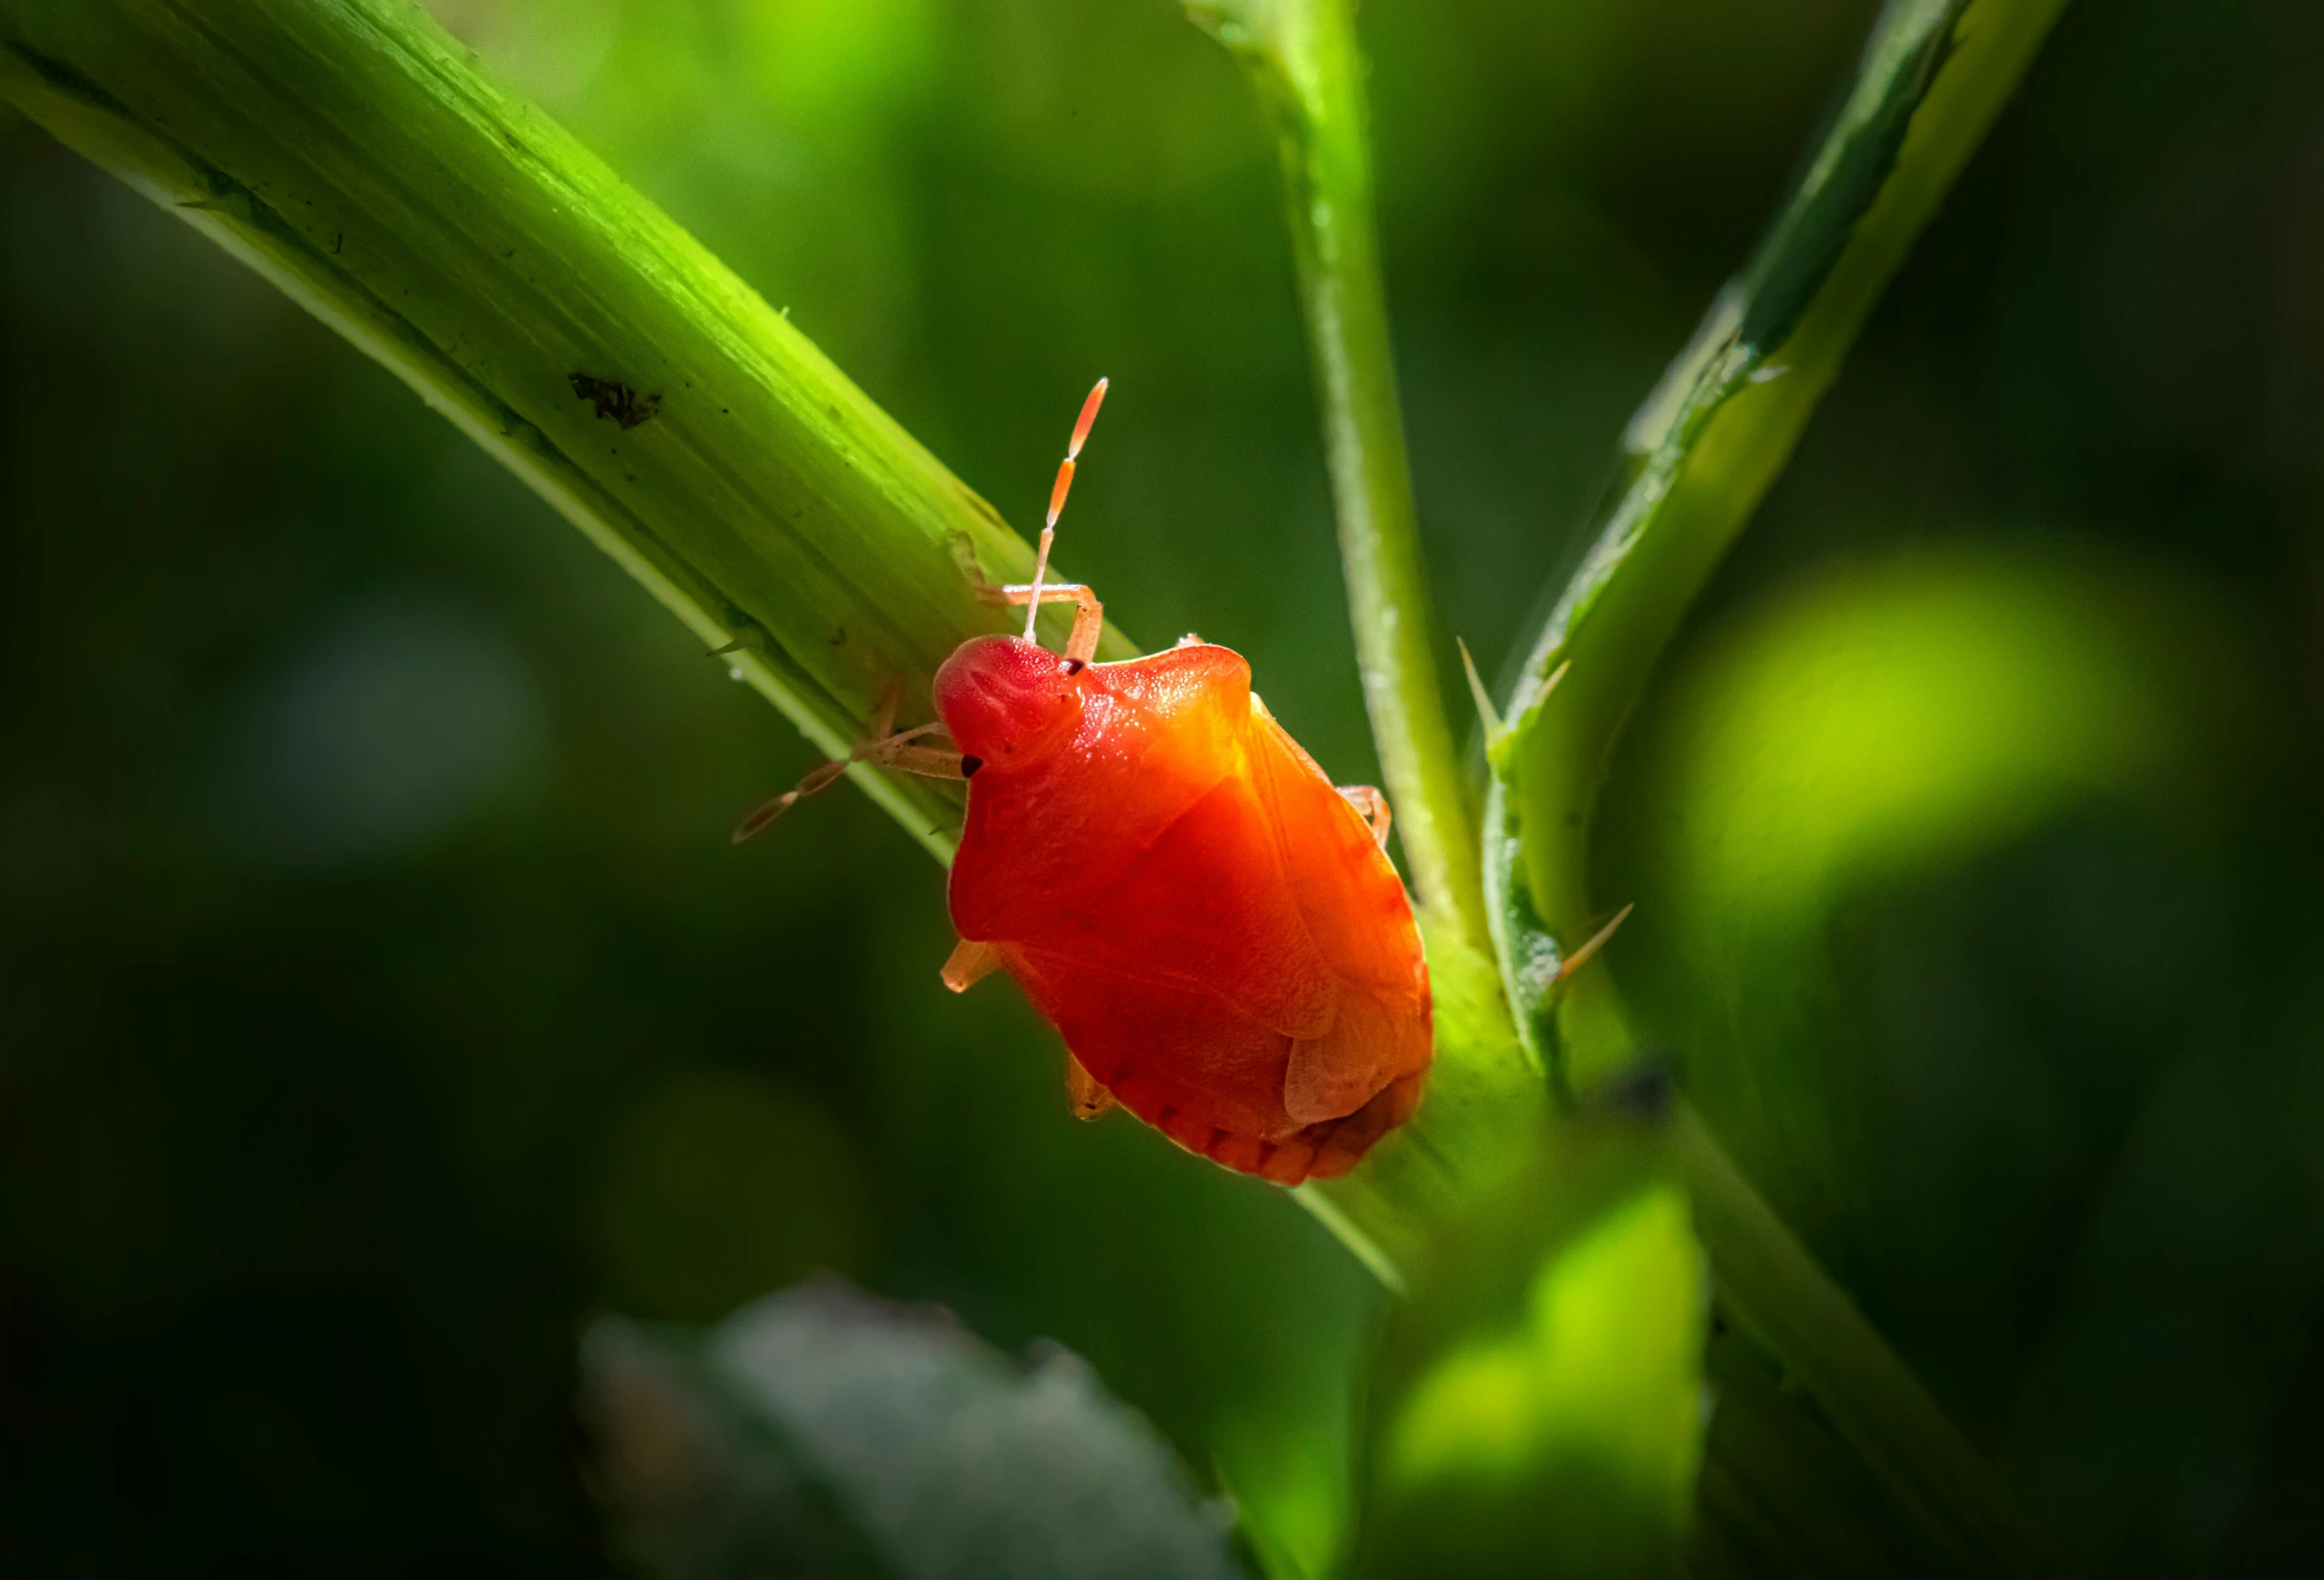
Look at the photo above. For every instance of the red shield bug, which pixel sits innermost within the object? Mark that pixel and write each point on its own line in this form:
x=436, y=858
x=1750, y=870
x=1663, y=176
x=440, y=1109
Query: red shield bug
x=1213, y=928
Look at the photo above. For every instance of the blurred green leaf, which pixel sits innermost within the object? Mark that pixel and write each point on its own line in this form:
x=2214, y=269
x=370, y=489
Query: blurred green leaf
x=1854, y=740
x=1872, y=723
x=1542, y=1409
x=1938, y=1496
x=824, y=1432
x=1286, y=1471
x=1783, y=1493
x=2184, y=1312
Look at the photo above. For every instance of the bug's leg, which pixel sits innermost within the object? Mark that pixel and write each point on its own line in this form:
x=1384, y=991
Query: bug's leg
x=934, y=762
x=968, y=965
x=882, y=745
x=1372, y=804
x=1084, y=1092
x=882, y=720
x=754, y=822
x=1580, y=956
x=1088, y=613
x=1088, y=625
x=901, y=752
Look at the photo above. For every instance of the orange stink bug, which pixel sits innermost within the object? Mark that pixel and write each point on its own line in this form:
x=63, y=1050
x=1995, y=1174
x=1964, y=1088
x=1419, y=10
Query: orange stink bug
x=1213, y=928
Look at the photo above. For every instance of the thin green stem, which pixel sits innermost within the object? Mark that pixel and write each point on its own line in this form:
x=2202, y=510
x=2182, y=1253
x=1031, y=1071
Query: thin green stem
x=1303, y=58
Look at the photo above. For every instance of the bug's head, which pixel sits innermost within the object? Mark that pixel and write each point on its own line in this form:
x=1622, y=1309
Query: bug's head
x=1002, y=697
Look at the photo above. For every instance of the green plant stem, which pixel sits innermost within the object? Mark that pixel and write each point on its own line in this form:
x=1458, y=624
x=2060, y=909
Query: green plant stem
x=1302, y=59
x=350, y=152
x=1486, y=1102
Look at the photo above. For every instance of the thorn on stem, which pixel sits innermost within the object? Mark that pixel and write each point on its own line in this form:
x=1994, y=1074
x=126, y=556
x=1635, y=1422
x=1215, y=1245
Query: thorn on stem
x=1477, y=692
x=1582, y=956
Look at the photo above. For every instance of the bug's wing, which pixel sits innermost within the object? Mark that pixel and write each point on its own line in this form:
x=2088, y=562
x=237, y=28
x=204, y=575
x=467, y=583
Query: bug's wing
x=1353, y=910
x=1345, y=889
x=1375, y=1042
x=1206, y=908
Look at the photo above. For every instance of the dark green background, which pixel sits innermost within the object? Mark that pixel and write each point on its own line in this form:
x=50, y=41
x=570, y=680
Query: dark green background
x=379, y=997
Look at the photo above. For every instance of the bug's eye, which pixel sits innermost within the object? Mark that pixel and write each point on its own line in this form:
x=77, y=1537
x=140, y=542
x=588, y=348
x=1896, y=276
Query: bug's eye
x=1074, y=665
x=969, y=764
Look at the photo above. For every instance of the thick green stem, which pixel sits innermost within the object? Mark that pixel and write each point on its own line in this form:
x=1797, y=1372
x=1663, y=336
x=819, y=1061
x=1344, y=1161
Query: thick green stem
x=1303, y=58
x=350, y=152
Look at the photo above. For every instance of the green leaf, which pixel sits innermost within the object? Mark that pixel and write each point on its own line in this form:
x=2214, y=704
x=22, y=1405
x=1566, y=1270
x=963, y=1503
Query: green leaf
x=1541, y=1408
x=822, y=1432
x=1943, y=1499
x=1700, y=454
x=353, y=154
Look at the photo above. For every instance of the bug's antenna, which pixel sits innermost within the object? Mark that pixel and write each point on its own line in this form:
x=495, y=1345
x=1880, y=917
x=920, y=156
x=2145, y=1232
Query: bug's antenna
x=1057, y=493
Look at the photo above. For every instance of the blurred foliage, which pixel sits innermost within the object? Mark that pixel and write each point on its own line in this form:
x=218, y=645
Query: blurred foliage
x=818, y=1432
x=362, y=875
x=1541, y=1404
x=1861, y=730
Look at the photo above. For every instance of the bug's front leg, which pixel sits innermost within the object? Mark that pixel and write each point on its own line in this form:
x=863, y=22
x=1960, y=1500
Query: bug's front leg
x=883, y=743
x=1368, y=799
x=903, y=753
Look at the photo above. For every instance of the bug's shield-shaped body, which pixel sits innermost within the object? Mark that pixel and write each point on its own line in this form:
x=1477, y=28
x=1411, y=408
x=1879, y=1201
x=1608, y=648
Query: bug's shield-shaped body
x=1180, y=891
